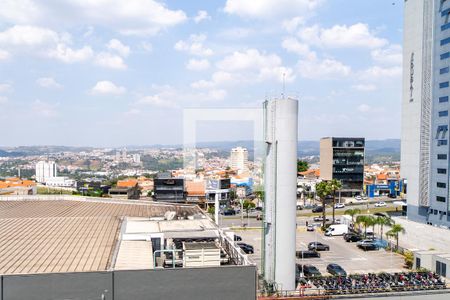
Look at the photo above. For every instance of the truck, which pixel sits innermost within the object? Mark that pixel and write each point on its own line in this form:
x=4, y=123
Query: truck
x=337, y=229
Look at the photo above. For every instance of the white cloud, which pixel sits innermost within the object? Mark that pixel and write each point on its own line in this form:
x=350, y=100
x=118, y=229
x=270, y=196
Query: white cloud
x=69, y=55
x=28, y=36
x=108, y=60
x=292, y=25
x=5, y=87
x=119, y=47
x=147, y=47
x=389, y=56
x=270, y=8
x=342, y=36
x=107, y=88
x=19, y=11
x=302, y=49
x=159, y=100
x=378, y=72
x=219, y=78
x=198, y=64
x=44, y=109
x=249, y=59
x=323, y=69
x=364, y=87
x=194, y=46
x=4, y=55
x=201, y=16
x=364, y=108
x=3, y=100
x=48, y=82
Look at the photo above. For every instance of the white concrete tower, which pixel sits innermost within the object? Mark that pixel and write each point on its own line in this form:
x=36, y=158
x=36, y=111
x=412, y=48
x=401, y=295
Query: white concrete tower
x=280, y=180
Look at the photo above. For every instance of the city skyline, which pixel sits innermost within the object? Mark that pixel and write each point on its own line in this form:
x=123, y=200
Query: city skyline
x=84, y=79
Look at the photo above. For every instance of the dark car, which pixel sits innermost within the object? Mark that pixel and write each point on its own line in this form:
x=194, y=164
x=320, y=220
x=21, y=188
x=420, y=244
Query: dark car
x=352, y=237
x=248, y=249
x=318, y=246
x=237, y=238
x=307, y=254
x=317, y=209
x=229, y=212
x=310, y=271
x=336, y=270
x=368, y=245
x=299, y=207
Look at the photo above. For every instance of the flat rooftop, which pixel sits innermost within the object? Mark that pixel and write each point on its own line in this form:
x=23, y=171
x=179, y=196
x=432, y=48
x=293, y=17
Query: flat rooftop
x=71, y=235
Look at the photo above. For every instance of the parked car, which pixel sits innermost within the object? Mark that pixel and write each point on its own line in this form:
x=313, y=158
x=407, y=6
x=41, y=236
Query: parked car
x=248, y=249
x=229, y=212
x=364, y=197
x=259, y=217
x=359, y=198
x=318, y=246
x=337, y=229
x=352, y=237
x=237, y=238
x=339, y=205
x=320, y=219
x=299, y=207
x=336, y=270
x=393, y=196
x=380, y=204
x=307, y=254
x=367, y=245
x=310, y=228
x=310, y=271
x=317, y=209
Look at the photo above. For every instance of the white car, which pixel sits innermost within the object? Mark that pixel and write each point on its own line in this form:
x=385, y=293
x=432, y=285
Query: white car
x=380, y=204
x=358, y=198
x=339, y=205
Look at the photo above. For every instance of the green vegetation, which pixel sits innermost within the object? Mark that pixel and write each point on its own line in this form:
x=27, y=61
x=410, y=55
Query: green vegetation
x=52, y=191
x=247, y=205
x=302, y=166
x=158, y=164
x=409, y=259
x=352, y=212
x=396, y=229
x=323, y=191
x=335, y=185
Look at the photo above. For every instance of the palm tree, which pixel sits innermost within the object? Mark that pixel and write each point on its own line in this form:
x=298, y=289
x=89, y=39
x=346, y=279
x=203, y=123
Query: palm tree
x=395, y=230
x=335, y=185
x=383, y=221
x=323, y=190
x=365, y=221
x=352, y=212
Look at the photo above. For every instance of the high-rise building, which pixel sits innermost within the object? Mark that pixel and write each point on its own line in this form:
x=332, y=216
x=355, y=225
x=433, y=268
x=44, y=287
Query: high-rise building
x=425, y=106
x=239, y=159
x=45, y=170
x=343, y=159
x=280, y=180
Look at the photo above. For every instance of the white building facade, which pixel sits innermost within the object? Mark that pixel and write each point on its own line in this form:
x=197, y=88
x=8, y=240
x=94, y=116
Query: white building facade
x=45, y=170
x=239, y=159
x=425, y=107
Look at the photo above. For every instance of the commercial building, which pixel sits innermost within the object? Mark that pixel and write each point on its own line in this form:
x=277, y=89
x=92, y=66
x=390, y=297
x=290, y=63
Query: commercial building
x=169, y=189
x=17, y=186
x=425, y=107
x=239, y=159
x=126, y=189
x=45, y=170
x=342, y=158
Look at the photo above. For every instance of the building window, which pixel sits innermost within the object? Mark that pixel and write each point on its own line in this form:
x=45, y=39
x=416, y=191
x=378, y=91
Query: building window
x=444, y=70
x=441, y=131
x=442, y=156
x=443, y=99
x=441, y=185
x=445, y=41
x=439, y=199
x=442, y=171
x=441, y=268
x=443, y=85
x=445, y=26
x=445, y=55
x=417, y=262
x=442, y=142
x=443, y=113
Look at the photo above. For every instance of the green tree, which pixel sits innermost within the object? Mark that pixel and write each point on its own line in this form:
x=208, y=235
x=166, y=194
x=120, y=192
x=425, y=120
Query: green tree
x=383, y=221
x=247, y=205
x=323, y=191
x=352, y=212
x=335, y=185
x=302, y=166
x=396, y=229
x=365, y=221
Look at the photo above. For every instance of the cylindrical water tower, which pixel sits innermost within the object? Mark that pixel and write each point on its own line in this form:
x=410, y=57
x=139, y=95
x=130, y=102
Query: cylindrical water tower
x=280, y=183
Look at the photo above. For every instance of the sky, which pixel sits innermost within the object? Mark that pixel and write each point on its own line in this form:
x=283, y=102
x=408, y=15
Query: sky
x=120, y=72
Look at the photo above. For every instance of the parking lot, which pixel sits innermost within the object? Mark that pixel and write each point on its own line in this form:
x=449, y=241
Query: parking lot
x=347, y=255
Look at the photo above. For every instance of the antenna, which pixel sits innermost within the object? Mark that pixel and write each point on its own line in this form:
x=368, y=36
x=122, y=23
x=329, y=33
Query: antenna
x=284, y=86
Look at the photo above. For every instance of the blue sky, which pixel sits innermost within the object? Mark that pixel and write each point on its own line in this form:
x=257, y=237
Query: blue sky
x=116, y=72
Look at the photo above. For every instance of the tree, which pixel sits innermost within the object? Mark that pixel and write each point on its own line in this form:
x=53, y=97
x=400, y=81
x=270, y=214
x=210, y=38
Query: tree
x=335, y=185
x=352, y=212
x=383, y=221
x=396, y=229
x=247, y=205
x=302, y=166
x=323, y=191
x=364, y=220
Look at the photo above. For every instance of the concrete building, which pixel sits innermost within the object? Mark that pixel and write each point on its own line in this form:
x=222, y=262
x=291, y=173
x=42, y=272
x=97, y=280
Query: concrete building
x=239, y=159
x=45, y=170
x=17, y=186
x=425, y=106
x=342, y=158
x=169, y=189
x=280, y=183
x=60, y=181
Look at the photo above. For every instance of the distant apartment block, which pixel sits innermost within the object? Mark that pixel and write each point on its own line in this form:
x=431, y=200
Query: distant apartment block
x=169, y=189
x=45, y=170
x=239, y=159
x=342, y=159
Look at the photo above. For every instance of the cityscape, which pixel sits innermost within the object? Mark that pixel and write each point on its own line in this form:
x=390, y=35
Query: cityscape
x=235, y=149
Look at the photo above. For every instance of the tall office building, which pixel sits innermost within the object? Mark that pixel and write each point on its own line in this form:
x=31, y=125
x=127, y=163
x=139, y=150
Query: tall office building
x=280, y=185
x=239, y=159
x=425, y=106
x=343, y=159
x=45, y=170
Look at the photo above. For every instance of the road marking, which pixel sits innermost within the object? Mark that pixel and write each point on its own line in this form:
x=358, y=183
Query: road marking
x=358, y=259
